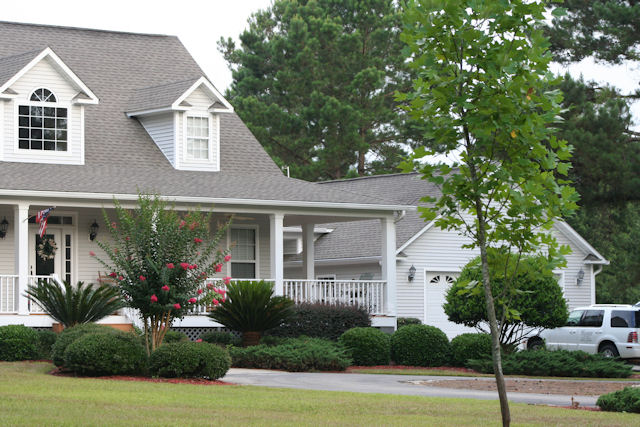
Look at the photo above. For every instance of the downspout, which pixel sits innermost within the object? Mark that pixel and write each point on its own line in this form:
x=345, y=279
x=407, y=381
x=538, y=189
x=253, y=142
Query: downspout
x=593, y=277
x=401, y=215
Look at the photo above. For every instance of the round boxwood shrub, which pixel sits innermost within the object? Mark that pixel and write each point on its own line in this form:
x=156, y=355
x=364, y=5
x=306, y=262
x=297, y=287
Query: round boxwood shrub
x=625, y=400
x=420, y=345
x=69, y=335
x=190, y=360
x=17, y=342
x=106, y=354
x=367, y=346
x=470, y=346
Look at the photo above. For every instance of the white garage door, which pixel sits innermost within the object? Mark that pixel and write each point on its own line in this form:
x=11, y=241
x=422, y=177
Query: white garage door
x=435, y=289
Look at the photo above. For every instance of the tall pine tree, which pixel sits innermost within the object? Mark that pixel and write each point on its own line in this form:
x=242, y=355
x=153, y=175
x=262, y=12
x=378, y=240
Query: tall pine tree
x=315, y=80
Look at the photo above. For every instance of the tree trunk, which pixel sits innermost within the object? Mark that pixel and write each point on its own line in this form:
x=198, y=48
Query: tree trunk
x=493, y=325
x=361, y=170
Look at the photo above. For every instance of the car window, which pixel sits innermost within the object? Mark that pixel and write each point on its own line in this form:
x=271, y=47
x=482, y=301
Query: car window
x=623, y=319
x=574, y=317
x=592, y=318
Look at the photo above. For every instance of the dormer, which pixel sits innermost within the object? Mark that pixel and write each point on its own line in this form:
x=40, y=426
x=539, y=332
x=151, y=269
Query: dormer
x=183, y=119
x=42, y=106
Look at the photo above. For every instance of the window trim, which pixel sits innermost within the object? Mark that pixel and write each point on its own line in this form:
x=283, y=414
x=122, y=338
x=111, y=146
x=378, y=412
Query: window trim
x=26, y=101
x=185, y=138
x=256, y=228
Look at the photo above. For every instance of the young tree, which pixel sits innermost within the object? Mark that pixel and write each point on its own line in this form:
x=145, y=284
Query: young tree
x=531, y=297
x=482, y=67
x=315, y=82
x=160, y=259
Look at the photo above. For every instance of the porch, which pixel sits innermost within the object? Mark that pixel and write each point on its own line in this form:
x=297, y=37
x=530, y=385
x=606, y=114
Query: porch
x=260, y=240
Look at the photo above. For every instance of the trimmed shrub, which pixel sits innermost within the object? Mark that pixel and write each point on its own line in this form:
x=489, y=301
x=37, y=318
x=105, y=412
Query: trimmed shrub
x=18, y=342
x=69, y=335
x=221, y=338
x=273, y=340
x=187, y=359
x=625, y=400
x=404, y=321
x=46, y=340
x=96, y=354
x=420, y=345
x=470, y=346
x=557, y=363
x=174, y=336
x=322, y=321
x=367, y=346
x=294, y=355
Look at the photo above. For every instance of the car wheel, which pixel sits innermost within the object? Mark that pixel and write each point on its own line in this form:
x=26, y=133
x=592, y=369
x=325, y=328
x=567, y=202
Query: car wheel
x=535, y=343
x=608, y=350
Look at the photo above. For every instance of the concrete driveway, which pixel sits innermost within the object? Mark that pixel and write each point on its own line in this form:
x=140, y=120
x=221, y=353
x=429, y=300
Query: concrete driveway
x=386, y=384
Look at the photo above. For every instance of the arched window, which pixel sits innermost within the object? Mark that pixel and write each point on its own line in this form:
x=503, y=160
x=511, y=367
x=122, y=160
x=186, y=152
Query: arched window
x=42, y=125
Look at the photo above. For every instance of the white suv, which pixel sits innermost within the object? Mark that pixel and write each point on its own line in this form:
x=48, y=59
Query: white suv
x=600, y=328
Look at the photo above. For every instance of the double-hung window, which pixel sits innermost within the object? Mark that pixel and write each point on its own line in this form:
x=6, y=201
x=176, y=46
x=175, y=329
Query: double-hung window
x=197, y=138
x=243, y=253
x=42, y=123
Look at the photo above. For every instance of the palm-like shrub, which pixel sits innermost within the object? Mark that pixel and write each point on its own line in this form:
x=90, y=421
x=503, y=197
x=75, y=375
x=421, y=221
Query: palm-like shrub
x=252, y=308
x=72, y=305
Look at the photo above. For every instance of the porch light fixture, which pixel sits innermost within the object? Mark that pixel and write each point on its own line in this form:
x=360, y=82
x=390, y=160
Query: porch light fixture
x=4, y=226
x=93, y=230
x=412, y=273
x=580, y=277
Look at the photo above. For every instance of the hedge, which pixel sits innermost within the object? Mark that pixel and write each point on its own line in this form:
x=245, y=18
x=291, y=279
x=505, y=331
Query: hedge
x=102, y=353
x=18, y=342
x=46, y=341
x=221, y=338
x=187, y=359
x=294, y=355
x=367, y=346
x=174, y=336
x=420, y=345
x=470, y=346
x=558, y=363
x=405, y=321
x=322, y=321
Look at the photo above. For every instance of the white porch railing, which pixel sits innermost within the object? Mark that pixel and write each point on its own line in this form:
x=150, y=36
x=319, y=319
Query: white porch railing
x=364, y=293
x=33, y=307
x=8, y=293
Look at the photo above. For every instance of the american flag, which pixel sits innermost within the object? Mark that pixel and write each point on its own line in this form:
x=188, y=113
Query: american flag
x=41, y=218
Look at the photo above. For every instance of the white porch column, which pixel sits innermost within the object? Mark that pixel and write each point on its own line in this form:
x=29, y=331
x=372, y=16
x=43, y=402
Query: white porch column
x=21, y=244
x=277, y=251
x=389, y=262
x=308, y=252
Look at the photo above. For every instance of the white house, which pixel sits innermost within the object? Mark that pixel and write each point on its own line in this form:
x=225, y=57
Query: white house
x=89, y=116
x=348, y=251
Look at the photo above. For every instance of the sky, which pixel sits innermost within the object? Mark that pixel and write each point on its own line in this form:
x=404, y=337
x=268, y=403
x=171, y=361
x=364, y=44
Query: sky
x=199, y=24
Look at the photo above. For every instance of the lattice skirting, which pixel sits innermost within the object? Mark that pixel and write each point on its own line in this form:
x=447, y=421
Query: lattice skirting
x=194, y=332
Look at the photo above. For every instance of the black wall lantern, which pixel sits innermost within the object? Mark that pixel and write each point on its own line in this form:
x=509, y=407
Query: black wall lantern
x=412, y=273
x=93, y=230
x=4, y=226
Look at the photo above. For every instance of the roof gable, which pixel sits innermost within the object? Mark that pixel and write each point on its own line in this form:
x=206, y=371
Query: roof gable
x=14, y=67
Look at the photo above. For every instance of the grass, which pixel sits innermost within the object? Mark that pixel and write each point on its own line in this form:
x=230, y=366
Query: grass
x=28, y=396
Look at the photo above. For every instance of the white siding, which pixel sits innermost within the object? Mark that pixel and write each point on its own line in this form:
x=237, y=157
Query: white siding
x=342, y=272
x=7, y=252
x=44, y=75
x=161, y=129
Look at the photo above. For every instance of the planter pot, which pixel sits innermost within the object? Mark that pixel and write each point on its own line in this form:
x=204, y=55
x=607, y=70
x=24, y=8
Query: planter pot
x=251, y=338
x=57, y=327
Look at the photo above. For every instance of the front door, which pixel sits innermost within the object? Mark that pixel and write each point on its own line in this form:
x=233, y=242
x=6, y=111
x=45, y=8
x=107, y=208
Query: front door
x=46, y=264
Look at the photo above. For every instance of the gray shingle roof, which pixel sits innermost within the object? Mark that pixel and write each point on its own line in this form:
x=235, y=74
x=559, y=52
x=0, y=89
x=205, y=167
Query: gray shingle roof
x=10, y=65
x=153, y=97
x=120, y=157
x=363, y=238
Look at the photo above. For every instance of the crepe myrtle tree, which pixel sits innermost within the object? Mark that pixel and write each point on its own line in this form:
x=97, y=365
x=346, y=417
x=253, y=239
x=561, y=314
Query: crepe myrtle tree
x=160, y=260
x=482, y=70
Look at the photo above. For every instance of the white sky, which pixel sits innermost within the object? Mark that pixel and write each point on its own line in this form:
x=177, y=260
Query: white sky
x=199, y=24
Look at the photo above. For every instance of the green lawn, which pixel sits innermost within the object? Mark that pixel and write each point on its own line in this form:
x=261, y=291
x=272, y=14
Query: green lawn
x=28, y=396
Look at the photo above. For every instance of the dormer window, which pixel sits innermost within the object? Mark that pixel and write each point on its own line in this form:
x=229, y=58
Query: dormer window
x=42, y=123
x=198, y=137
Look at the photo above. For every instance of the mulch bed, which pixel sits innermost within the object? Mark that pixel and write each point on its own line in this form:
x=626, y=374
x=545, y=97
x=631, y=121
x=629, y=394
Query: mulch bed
x=198, y=381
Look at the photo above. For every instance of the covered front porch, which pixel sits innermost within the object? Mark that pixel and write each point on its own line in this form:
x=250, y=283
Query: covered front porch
x=260, y=238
